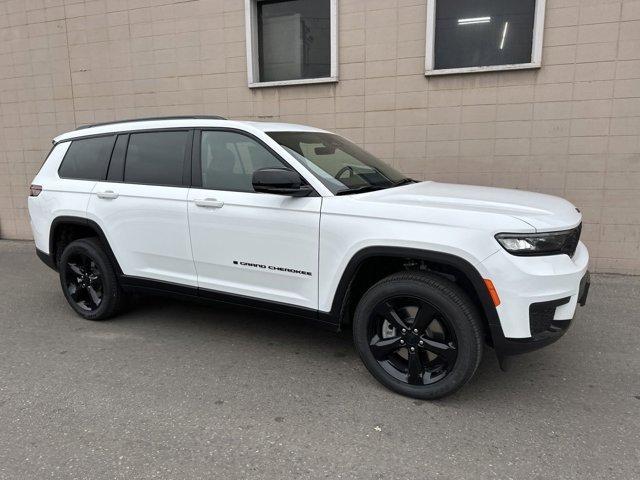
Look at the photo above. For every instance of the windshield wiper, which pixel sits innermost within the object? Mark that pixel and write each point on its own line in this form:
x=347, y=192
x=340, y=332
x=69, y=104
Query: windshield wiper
x=364, y=188
x=371, y=188
x=404, y=181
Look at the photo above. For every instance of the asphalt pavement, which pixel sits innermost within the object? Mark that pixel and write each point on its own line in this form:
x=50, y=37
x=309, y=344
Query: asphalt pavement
x=178, y=390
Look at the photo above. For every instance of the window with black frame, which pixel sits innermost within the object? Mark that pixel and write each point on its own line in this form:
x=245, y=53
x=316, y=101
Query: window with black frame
x=156, y=158
x=229, y=160
x=87, y=158
x=291, y=41
x=472, y=35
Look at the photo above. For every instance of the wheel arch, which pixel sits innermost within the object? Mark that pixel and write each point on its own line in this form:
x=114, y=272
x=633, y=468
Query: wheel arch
x=394, y=256
x=75, y=228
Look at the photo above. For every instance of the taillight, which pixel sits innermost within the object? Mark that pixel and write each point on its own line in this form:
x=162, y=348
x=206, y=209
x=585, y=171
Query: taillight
x=35, y=190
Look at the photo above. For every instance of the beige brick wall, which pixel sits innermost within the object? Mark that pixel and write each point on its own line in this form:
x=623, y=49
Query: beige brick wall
x=571, y=128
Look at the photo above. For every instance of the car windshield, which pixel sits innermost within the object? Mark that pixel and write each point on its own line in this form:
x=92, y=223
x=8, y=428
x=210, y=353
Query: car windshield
x=339, y=164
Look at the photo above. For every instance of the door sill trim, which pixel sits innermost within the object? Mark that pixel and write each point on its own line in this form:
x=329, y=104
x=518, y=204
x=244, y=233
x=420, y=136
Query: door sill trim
x=133, y=284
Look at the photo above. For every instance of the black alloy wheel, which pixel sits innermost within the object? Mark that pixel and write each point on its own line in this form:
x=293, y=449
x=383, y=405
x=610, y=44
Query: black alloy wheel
x=84, y=282
x=412, y=340
x=419, y=334
x=89, y=280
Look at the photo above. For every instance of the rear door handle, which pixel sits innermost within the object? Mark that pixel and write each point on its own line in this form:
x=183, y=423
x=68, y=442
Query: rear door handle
x=209, y=203
x=108, y=194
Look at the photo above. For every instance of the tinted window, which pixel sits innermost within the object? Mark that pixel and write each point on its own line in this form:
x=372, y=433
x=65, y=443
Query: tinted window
x=473, y=33
x=155, y=158
x=116, y=166
x=87, y=159
x=294, y=39
x=229, y=160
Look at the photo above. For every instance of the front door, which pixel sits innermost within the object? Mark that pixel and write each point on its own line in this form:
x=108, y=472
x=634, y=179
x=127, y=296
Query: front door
x=245, y=243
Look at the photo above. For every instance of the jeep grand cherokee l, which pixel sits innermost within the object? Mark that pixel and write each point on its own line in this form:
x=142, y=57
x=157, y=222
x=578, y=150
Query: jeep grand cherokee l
x=301, y=221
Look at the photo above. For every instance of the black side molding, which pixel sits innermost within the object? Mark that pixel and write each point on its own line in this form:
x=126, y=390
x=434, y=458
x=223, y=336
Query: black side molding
x=132, y=284
x=86, y=223
x=46, y=259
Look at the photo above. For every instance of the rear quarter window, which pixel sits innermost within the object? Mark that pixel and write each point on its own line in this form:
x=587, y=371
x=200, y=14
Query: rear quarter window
x=87, y=159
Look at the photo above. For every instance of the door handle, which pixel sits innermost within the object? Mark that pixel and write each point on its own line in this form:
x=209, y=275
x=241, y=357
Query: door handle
x=108, y=194
x=209, y=203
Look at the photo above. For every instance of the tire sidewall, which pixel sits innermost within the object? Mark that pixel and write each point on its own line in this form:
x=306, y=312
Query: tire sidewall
x=460, y=319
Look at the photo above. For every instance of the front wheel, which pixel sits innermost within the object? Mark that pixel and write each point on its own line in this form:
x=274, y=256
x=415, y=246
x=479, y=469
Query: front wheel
x=418, y=334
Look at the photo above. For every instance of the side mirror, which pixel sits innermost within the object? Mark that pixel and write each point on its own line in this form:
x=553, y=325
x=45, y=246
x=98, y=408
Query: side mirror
x=279, y=181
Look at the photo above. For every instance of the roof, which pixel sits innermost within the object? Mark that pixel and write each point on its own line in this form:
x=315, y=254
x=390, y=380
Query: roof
x=179, y=122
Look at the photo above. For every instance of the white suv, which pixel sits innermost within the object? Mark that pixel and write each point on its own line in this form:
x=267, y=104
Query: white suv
x=301, y=221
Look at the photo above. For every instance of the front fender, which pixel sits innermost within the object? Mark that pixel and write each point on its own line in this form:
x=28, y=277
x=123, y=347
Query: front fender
x=466, y=268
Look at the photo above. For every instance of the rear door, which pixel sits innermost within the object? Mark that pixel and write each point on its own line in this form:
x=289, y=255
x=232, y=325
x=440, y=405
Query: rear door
x=245, y=243
x=142, y=205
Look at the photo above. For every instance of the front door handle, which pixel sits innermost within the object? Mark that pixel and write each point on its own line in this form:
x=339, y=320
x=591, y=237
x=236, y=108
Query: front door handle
x=108, y=194
x=209, y=203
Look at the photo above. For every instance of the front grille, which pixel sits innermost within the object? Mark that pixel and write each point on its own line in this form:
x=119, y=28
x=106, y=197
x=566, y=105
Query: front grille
x=541, y=315
x=571, y=242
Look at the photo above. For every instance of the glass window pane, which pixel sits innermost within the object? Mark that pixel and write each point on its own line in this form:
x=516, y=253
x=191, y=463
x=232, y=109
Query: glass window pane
x=473, y=33
x=87, y=159
x=116, y=166
x=294, y=39
x=229, y=160
x=155, y=158
x=337, y=162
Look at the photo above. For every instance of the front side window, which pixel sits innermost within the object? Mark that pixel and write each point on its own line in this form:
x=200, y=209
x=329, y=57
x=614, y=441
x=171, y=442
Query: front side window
x=480, y=35
x=87, y=159
x=291, y=41
x=339, y=164
x=156, y=158
x=229, y=159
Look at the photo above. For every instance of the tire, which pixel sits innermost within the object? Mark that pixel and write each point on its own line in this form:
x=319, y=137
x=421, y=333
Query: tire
x=89, y=281
x=447, y=348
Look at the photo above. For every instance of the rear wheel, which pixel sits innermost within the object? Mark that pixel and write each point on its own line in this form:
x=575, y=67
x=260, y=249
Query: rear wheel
x=89, y=281
x=418, y=334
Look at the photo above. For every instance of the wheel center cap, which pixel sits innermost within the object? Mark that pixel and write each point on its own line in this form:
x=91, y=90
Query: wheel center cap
x=412, y=339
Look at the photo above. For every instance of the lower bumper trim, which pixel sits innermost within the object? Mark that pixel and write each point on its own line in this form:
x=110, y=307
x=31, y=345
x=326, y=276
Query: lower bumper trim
x=585, y=283
x=46, y=259
x=516, y=346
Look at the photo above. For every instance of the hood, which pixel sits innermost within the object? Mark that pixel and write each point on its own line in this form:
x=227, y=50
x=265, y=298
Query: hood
x=542, y=212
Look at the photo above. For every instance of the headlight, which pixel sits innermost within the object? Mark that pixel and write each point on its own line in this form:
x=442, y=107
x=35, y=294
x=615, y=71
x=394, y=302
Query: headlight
x=553, y=243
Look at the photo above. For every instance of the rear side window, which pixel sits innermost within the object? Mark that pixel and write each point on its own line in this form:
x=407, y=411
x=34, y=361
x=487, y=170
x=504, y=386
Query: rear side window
x=156, y=158
x=87, y=159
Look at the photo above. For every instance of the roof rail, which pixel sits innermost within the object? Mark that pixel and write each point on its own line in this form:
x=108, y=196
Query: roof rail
x=179, y=117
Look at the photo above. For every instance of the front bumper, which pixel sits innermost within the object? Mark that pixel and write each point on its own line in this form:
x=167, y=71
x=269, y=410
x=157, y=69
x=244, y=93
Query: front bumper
x=542, y=338
x=539, y=296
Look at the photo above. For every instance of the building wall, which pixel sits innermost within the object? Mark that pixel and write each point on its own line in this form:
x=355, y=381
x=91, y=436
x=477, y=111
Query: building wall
x=571, y=128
